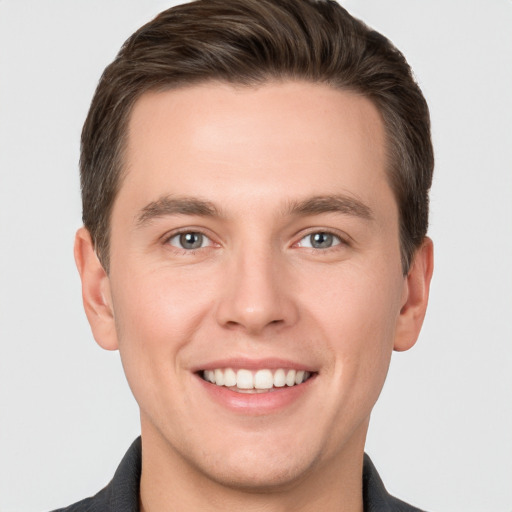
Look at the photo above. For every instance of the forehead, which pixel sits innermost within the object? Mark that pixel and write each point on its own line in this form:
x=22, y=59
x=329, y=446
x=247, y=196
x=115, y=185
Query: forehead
x=226, y=141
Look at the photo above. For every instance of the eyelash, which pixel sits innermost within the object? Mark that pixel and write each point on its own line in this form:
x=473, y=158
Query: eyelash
x=339, y=241
x=182, y=250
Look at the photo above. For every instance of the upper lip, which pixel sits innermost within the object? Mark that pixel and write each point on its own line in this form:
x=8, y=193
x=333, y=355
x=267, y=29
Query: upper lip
x=253, y=364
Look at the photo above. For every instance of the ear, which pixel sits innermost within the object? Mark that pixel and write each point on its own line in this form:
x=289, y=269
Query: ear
x=96, y=293
x=415, y=297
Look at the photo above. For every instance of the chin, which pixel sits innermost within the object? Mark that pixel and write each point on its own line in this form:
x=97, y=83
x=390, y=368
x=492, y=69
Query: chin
x=260, y=474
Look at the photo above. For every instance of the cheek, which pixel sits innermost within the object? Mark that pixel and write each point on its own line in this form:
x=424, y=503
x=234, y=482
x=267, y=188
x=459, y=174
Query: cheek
x=159, y=308
x=156, y=315
x=356, y=312
x=364, y=302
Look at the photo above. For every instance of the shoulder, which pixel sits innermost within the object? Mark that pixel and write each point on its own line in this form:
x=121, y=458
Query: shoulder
x=96, y=503
x=122, y=493
x=375, y=496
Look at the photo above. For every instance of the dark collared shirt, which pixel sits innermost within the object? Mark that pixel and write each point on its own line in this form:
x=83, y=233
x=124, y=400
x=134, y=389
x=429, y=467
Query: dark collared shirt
x=122, y=493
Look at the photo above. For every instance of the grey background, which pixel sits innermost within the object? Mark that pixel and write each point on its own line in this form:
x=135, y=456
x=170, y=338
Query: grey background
x=441, y=434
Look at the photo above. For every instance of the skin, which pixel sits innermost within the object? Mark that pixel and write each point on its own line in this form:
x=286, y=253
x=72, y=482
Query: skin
x=255, y=290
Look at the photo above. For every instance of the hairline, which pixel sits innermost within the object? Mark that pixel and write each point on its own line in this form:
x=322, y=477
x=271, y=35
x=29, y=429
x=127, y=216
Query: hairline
x=266, y=78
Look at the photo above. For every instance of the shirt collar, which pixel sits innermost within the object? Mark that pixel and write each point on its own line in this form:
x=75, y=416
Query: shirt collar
x=122, y=493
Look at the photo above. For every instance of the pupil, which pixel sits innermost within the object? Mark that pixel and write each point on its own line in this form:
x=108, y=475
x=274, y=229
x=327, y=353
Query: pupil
x=321, y=240
x=191, y=240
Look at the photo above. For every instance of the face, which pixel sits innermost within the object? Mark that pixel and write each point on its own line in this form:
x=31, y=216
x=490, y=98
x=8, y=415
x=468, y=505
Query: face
x=255, y=290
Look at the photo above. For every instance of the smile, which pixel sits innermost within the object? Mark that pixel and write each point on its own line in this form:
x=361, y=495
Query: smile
x=260, y=381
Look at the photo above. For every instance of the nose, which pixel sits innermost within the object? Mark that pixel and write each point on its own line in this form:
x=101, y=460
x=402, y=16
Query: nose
x=257, y=293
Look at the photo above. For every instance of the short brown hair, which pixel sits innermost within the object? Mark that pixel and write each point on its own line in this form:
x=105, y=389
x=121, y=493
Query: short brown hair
x=250, y=42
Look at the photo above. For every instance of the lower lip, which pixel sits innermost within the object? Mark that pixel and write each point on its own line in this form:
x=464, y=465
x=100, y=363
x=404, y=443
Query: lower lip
x=256, y=403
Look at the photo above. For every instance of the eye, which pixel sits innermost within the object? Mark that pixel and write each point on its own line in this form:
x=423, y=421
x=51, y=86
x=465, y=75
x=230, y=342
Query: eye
x=189, y=240
x=320, y=240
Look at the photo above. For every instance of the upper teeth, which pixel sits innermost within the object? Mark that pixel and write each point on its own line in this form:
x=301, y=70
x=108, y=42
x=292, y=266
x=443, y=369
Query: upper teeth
x=261, y=379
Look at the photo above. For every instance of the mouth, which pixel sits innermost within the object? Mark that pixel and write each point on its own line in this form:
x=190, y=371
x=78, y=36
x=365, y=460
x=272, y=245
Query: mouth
x=256, y=381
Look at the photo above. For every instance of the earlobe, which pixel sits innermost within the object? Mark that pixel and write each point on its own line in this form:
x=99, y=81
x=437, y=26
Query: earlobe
x=416, y=292
x=96, y=294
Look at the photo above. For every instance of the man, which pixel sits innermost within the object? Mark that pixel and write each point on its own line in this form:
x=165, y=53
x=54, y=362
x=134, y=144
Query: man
x=255, y=178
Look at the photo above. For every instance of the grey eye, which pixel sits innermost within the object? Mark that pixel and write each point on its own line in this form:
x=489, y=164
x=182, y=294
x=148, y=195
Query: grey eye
x=320, y=240
x=189, y=240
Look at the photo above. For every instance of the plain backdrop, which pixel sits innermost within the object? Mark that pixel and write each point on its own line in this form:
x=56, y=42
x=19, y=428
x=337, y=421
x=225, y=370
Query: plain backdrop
x=441, y=434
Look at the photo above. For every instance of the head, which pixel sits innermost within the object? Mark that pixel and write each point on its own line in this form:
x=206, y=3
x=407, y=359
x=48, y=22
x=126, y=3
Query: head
x=255, y=178
x=249, y=43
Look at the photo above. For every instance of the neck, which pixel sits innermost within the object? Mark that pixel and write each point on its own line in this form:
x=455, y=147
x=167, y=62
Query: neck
x=170, y=481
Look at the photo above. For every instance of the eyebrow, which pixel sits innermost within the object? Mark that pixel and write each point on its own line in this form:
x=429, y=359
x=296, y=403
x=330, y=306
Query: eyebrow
x=331, y=204
x=176, y=205
x=184, y=205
